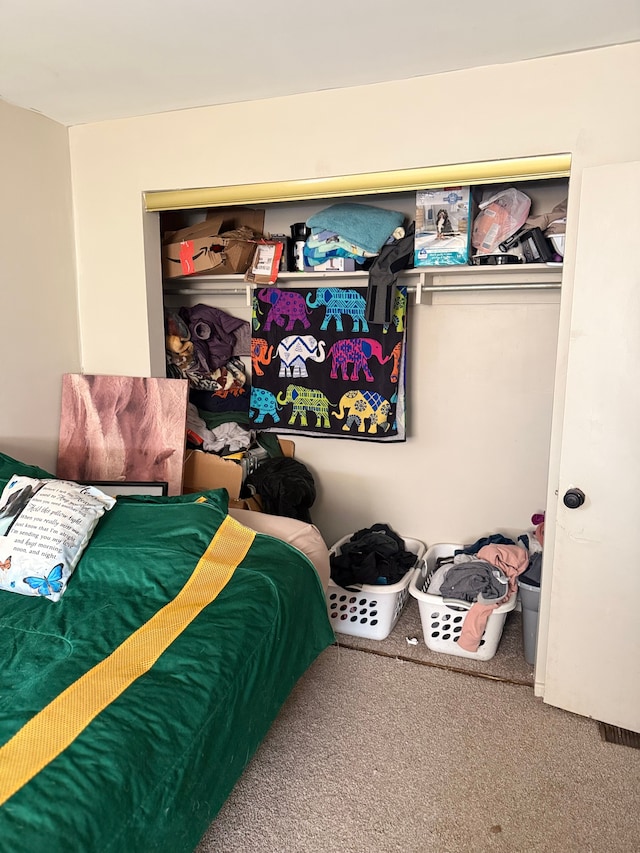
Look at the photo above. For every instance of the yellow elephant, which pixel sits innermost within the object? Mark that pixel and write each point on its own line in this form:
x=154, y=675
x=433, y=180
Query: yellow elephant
x=358, y=406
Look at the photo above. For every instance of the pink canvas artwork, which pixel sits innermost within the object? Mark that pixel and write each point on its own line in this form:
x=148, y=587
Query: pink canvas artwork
x=123, y=428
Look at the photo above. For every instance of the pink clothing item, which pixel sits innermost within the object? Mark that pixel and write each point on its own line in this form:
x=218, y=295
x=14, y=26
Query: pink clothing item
x=475, y=624
x=512, y=560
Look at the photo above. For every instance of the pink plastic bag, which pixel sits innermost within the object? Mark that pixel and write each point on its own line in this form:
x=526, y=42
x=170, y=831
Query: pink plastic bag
x=500, y=216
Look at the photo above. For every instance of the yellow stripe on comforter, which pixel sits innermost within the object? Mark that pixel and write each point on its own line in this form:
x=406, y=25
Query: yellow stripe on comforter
x=51, y=731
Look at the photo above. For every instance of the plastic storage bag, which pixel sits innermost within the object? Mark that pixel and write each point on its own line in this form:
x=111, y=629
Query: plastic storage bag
x=501, y=215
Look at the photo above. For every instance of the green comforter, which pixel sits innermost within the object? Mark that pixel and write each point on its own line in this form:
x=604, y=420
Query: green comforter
x=151, y=771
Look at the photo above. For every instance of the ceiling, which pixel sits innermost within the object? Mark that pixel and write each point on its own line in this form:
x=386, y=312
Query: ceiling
x=79, y=61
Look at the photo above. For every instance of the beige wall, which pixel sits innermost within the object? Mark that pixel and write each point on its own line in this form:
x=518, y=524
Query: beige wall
x=481, y=375
x=38, y=315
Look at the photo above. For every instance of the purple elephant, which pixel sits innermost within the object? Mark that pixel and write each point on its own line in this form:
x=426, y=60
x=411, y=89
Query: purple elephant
x=356, y=351
x=284, y=304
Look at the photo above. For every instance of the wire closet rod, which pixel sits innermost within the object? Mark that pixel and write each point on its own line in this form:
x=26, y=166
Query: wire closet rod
x=435, y=288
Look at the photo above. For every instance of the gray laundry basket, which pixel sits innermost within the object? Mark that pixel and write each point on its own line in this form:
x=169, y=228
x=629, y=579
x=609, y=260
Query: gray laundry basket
x=530, y=599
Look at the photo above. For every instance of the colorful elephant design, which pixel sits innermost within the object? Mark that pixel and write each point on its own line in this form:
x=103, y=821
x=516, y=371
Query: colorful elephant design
x=294, y=351
x=399, y=312
x=256, y=313
x=337, y=302
x=355, y=351
x=358, y=406
x=306, y=400
x=284, y=304
x=261, y=354
x=261, y=403
x=396, y=354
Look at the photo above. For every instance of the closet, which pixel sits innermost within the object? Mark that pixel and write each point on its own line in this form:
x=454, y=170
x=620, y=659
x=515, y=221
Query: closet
x=481, y=347
x=485, y=389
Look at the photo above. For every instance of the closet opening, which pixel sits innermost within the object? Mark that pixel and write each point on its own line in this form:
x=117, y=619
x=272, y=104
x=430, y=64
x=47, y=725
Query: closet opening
x=480, y=367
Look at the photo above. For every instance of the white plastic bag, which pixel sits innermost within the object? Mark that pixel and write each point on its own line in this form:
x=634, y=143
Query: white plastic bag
x=501, y=215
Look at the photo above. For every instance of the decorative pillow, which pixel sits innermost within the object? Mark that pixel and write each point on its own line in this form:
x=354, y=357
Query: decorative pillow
x=367, y=226
x=45, y=525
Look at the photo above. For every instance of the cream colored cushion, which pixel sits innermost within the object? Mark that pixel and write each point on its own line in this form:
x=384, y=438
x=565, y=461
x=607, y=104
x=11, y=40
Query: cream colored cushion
x=305, y=537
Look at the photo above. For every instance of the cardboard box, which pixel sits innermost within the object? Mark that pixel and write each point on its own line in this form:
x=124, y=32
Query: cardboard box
x=203, y=471
x=265, y=265
x=443, y=227
x=223, y=244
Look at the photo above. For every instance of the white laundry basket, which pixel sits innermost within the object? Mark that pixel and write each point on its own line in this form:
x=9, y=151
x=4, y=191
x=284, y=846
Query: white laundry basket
x=442, y=622
x=370, y=610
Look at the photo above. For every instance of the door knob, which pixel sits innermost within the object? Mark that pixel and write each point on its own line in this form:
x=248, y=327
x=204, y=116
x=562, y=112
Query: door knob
x=573, y=498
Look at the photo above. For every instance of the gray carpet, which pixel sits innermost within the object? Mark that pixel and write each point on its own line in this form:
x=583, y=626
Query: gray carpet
x=371, y=754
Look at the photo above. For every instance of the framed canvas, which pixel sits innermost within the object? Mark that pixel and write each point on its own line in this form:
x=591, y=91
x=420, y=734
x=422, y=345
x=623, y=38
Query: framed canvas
x=116, y=488
x=124, y=429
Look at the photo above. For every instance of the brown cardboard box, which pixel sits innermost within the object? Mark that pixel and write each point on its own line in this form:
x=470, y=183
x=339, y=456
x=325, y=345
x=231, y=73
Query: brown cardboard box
x=239, y=217
x=221, y=245
x=204, y=471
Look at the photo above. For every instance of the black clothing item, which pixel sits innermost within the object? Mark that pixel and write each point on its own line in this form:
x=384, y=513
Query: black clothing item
x=383, y=274
x=373, y=555
x=533, y=573
x=210, y=401
x=285, y=486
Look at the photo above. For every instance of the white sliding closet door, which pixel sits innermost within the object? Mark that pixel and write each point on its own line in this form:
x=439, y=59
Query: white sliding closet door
x=593, y=652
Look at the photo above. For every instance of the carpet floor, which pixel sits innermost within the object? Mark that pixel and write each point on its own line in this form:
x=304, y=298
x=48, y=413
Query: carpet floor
x=376, y=753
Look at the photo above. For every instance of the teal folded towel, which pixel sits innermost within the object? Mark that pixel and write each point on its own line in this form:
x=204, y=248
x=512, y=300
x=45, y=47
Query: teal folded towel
x=366, y=226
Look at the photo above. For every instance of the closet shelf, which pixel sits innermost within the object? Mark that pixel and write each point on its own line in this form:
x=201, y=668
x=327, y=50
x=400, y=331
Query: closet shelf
x=420, y=279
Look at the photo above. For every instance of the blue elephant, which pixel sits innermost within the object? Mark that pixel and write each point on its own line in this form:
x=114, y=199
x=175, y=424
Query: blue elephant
x=261, y=403
x=337, y=302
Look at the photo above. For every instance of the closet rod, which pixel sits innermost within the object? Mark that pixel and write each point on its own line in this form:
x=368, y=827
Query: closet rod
x=435, y=288
x=439, y=288
x=209, y=291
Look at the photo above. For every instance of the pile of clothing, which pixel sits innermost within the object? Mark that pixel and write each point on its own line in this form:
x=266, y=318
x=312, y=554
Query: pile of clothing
x=484, y=574
x=373, y=555
x=203, y=345
x=350, y=230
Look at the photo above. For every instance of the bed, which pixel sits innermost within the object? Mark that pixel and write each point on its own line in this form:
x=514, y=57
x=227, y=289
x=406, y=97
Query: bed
x=130, y=707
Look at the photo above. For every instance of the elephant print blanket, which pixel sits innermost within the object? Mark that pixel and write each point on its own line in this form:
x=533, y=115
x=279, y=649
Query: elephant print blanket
x=320, y=369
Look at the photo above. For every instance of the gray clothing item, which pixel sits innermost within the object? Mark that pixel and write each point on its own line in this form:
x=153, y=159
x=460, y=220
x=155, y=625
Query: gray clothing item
x=437, y=577
x=439, y=574
x=466, y=558
x=474, y=581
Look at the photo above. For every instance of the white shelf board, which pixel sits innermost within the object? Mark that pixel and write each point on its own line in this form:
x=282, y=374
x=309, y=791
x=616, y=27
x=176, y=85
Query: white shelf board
x=425, y=278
